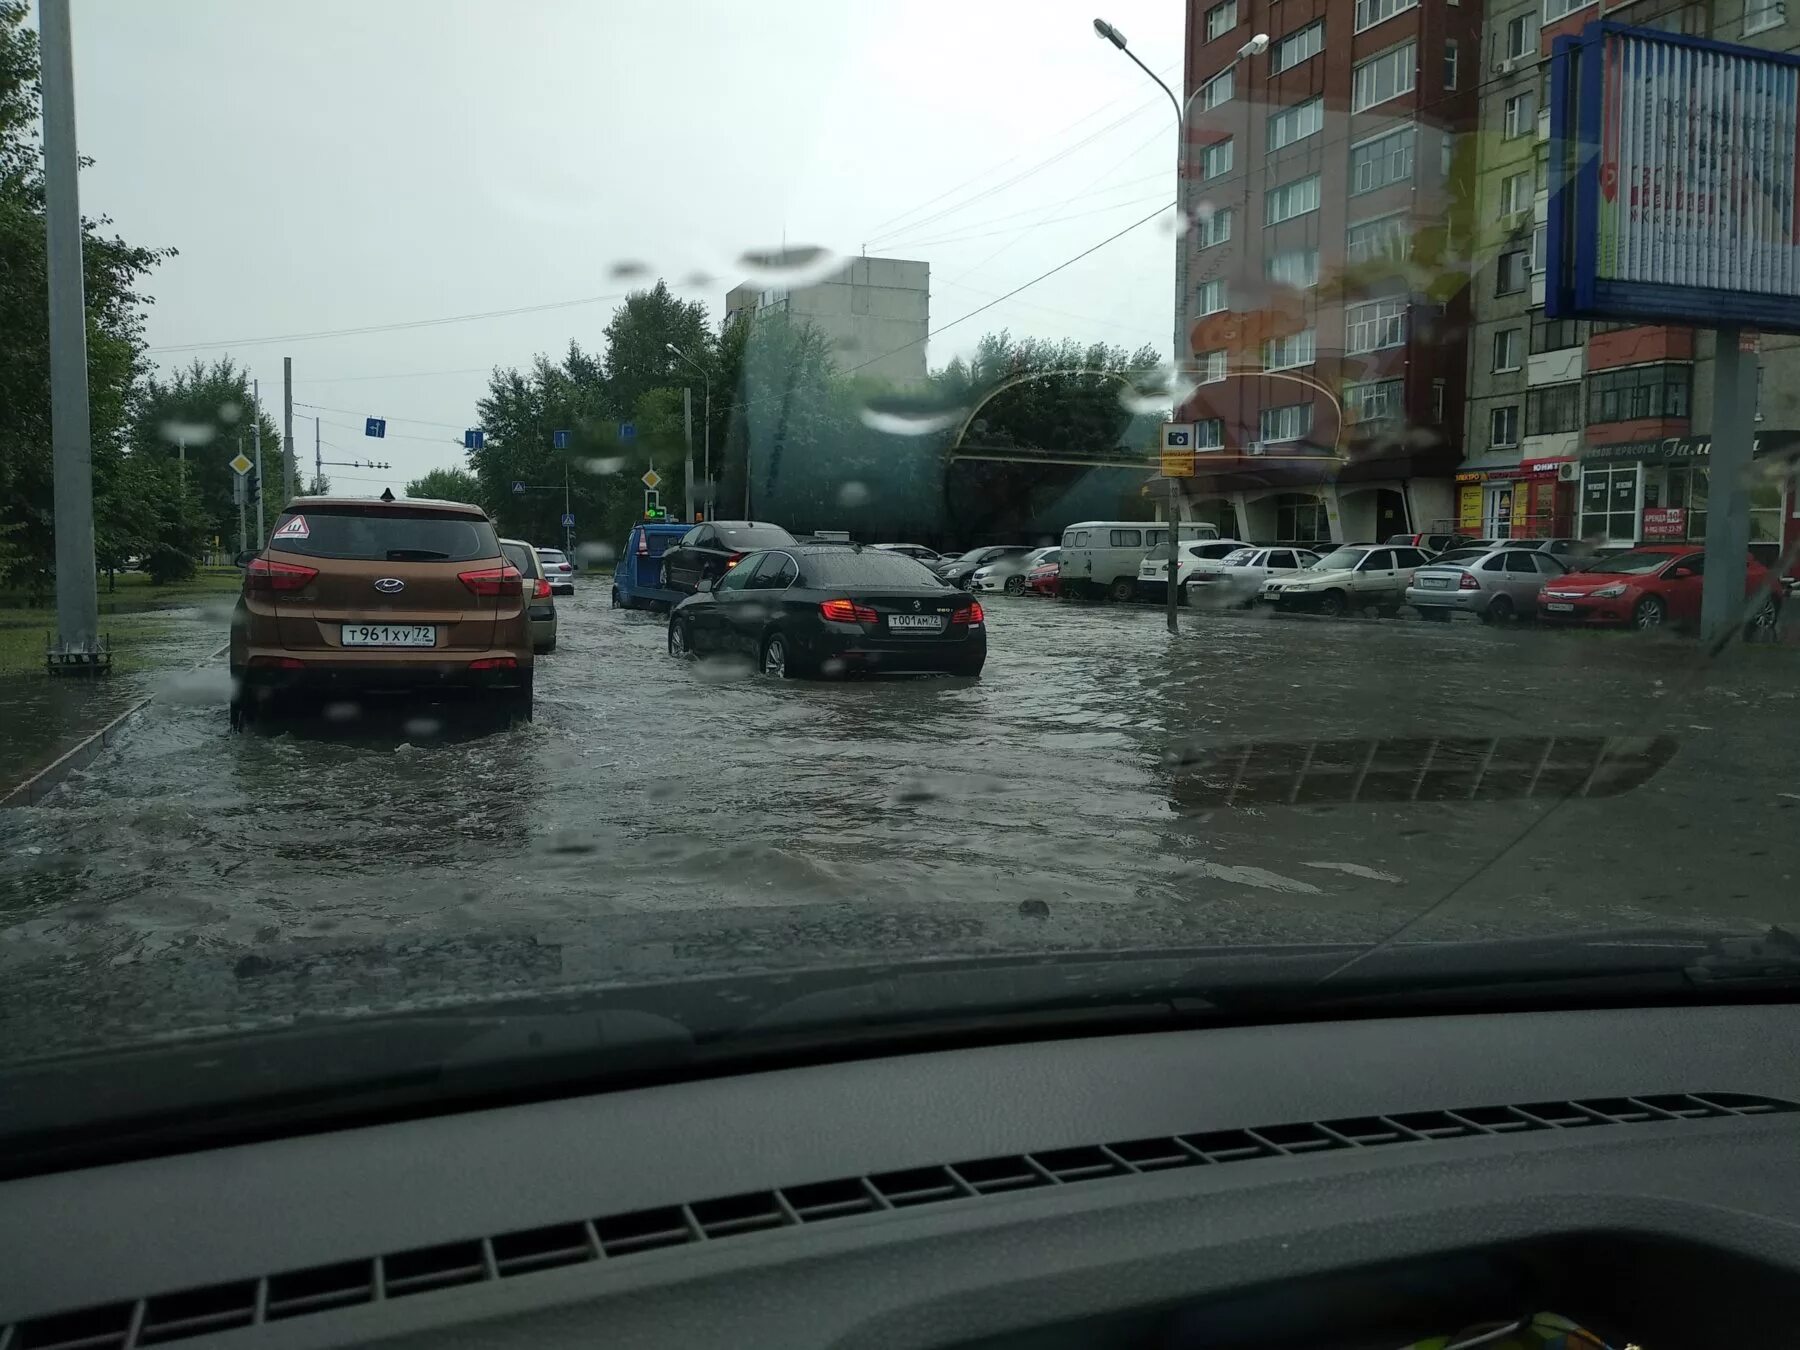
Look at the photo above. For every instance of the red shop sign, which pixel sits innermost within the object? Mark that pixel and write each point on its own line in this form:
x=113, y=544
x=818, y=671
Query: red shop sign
x=1665, y=522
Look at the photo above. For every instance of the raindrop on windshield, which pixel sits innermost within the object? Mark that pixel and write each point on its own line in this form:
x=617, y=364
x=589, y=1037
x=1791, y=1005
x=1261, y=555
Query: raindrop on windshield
x=188, y=433
x=794, y=265
x=609, y=464
x=627, y=269
x=1156, y=391
x=343, y=711
x=596, y=553
x=900, y=419
x=208, y=684
x=423, y=727
x=230, y=410
x=854, y=494
x=724, y=669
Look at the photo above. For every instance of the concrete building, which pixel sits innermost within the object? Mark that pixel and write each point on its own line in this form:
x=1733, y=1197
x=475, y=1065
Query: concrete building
x=1321, y=175
x=1585, y=428
x=875, y=311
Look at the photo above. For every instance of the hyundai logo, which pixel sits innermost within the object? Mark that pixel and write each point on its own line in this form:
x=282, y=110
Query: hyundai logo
x=390, y=585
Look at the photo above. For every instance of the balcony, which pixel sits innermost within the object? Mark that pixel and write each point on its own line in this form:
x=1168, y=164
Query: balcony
x=1558, y=367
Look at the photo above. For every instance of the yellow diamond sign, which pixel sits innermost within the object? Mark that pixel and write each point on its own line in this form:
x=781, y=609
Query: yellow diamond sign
x=240, y=463
x=651, y=479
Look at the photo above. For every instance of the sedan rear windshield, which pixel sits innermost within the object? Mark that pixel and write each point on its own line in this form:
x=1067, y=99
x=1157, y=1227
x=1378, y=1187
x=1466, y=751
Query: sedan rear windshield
x=869, y=568
x=520, y=557
x=746, y=537
x=384, y=534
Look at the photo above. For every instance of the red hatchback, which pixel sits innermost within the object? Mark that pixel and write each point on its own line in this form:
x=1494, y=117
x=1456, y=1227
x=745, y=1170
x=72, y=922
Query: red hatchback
x=1045, y=578
x=1645, y=588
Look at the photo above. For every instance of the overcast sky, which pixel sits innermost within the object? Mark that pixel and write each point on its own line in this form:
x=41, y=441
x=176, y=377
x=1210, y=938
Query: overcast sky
x=336, y=164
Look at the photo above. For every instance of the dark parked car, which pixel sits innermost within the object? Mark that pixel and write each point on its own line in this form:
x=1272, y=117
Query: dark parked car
x=709, y=551
x=958, y=570
x=824, y=609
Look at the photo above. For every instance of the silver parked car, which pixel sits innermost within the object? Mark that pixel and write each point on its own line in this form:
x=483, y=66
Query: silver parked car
x=540, y=607
x=1494, y=583
x=559, y=570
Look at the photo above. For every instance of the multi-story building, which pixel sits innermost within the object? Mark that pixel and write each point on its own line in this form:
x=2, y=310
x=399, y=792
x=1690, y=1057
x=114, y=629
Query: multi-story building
x=1324, y=177
x=875, y=311
x=1588, y=428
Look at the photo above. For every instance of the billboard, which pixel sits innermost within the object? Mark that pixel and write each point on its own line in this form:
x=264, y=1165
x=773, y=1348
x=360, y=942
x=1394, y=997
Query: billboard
x=1674, y=168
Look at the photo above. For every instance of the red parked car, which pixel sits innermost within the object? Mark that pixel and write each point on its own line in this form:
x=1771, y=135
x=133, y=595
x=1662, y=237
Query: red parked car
x=1045, y=578
x=1646, y=588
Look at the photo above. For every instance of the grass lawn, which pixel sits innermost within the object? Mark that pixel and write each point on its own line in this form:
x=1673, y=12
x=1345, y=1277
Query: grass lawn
x=25, y=629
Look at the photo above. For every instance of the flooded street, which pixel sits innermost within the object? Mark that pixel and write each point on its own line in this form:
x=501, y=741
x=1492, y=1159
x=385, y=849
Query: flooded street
x=1102, y=786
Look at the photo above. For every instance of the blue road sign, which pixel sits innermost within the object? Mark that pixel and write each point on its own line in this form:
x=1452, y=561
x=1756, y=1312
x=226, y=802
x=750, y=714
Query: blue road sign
x=628, y=431
x=568, y=520
x=559, y=440
x=518, y=489
x=474, y=438
x=375, y=426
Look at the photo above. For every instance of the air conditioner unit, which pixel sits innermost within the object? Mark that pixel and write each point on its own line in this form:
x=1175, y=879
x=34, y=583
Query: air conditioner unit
x=1506, y=65
x=1565, y=473
x=1254, y=448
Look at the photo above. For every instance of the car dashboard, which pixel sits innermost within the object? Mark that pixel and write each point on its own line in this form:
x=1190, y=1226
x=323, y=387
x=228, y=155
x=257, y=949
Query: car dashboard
x=1322, y=1184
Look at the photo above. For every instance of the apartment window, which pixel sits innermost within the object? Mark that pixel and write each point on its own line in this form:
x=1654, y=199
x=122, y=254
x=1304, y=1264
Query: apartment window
x=1209, y=433
x=1215, y=159
x=1506, y=350
x=1293, y=199
x=1289, y=352
x=1371, y=12
x=1561, y=9
x=1383, y=160
x=1374, y=401
x=1210, y=366
x=1540, y=250
x=1438, y=387
x=1296, y=123
x=1374, y=326
x=1609, y=503
x=1221, y=19
x=1289, y=422
x=1515, y=193
x=1383, y=237
x=1555, y=335
x=1514, y=272
x=1519, y=38
x=1218, y=89
x=1762, y=15
x=1515, y=119
x=1383, y=77
x=1639, y=391
x=1452, y=60
x=1215, y=229
x=1553, y=409
x=1296, y=47
x=1211, y=296
x=1297, y=267
x=1503, y=426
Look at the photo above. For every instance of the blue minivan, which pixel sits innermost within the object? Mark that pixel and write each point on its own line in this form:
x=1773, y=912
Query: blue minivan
x=640, y=565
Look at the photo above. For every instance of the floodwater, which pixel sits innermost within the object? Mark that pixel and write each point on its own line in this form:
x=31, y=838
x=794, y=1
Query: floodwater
x=1102, y=786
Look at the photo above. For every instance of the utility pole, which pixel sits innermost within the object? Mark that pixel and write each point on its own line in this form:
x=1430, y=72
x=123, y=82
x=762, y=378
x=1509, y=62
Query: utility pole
x=318, y=460
x=290, y=461
x=77, y=602
x=256, y=439
x=568, y=530
x=687, y=430
x=238, y=494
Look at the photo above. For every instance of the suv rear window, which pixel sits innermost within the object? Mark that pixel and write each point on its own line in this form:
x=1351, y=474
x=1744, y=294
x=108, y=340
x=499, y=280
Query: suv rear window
x=747, y=537
x=384, y=534
x=869, y=568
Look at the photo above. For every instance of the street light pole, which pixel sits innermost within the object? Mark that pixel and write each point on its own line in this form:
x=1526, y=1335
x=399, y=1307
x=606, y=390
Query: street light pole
x=705, y=430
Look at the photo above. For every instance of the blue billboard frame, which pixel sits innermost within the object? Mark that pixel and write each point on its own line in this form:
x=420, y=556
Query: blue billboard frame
x=1573, y=289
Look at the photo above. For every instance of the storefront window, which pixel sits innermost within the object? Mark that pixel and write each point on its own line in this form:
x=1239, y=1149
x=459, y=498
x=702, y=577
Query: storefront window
x=1765, y=514
x=1301, y=519
x=1609, y=503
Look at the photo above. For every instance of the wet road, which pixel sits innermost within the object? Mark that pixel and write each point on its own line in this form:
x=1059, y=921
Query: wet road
x=1102, y=786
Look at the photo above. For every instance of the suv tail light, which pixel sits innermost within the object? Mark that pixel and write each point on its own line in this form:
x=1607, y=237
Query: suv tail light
x=848, y=611
x=643, y=547
x=493, y=581
x=1467, y=582
x=541, y=590
x=265, y=576
x=969, y=613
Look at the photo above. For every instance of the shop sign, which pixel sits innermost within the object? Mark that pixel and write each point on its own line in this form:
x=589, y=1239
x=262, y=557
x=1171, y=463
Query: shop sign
x=1665, y=522
x=1470, y=477
x=1468, y=510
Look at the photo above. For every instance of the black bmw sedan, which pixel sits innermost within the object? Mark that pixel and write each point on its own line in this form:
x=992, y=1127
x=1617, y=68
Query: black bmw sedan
x=829, y=609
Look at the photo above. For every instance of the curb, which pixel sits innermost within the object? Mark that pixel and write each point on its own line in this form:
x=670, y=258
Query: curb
x=35, y=788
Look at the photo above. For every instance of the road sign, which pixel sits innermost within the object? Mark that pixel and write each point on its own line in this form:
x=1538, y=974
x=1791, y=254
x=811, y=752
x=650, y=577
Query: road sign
x=1178, y=450
x=651, y=479
x=559, y=440
x=375, y=426
x=518, y=489
x=240, y=462
x=628, y=431
x=568, y=521
x=474, y=438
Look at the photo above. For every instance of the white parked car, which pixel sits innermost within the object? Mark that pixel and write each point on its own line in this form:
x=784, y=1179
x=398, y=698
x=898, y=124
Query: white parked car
x=1008, y=573
x=1153, y=567
x=1236, y=578
x=1350, y=577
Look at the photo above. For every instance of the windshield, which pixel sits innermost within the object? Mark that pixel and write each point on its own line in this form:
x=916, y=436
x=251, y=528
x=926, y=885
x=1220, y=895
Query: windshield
x=367, y=288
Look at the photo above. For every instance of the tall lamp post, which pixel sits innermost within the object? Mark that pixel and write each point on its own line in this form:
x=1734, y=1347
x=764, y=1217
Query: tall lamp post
x=705, y=422
x=1179, y=356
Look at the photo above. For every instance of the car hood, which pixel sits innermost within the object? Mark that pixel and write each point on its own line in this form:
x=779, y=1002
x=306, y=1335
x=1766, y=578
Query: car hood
x=1312, y=578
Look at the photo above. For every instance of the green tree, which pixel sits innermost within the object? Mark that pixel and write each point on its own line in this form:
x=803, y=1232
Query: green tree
x=638, y=338
x=448, y=485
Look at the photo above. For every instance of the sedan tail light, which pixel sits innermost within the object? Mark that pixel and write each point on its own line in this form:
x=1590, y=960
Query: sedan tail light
x=541, y=590
x=733, y=561
x=1467, y=582
x=848, y=611
x=264, y=576
x=969, y=613
x=493, y=581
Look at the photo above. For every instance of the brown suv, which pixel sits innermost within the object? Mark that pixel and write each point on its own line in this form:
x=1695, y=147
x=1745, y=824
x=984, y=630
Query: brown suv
x=356, y=595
